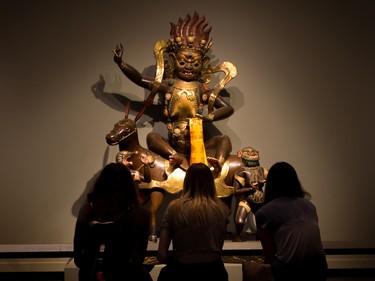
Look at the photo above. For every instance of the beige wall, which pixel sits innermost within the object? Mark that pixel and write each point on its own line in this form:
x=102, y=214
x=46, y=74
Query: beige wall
x=303, y=94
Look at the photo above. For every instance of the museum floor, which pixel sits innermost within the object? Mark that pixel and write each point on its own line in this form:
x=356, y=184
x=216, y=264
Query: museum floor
x=342, y=275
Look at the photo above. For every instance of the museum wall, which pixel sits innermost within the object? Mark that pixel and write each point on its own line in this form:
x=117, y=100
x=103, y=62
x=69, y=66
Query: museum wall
x=303, y=94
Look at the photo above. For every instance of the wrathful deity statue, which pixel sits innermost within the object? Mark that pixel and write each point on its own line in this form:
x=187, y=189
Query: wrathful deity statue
x=181, y=81
x=188, y=103
x=248, y=187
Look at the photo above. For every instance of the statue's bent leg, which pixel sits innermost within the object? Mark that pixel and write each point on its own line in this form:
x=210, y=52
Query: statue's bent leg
x=243, y=210
x=222, y=146
x=159, y=145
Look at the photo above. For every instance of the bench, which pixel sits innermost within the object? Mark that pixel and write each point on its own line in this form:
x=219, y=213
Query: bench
x=58, y=257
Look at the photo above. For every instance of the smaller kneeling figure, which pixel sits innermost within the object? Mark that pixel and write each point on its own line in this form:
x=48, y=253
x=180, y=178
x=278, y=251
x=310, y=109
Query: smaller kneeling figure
x=248, y=187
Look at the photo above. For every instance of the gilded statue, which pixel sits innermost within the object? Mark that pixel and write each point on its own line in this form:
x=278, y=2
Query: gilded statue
x=182, y=82
x=188, y=102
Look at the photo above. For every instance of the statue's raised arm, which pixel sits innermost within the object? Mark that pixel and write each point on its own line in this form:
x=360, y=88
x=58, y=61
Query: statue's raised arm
x=130, y=72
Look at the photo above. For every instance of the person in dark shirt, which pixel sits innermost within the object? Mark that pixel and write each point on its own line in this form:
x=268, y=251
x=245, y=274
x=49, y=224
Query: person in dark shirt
x=288, y=228
x=112, y=219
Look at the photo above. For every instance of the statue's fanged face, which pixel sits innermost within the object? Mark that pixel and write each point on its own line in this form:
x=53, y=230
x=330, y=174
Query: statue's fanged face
x=188, y=64
x=250, y=154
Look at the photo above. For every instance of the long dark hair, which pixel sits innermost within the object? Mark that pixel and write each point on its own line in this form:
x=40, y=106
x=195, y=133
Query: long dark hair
x=198, y=195
x=113, y=193
x=282, y=181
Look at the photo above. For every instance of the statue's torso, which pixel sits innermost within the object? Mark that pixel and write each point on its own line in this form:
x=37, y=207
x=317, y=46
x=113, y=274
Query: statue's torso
x=184, y=101
x=182, y=104
x=253, y=176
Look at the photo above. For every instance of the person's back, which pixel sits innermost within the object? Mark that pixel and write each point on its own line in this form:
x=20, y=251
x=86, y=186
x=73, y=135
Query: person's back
x=193, y=244
x=293, y=224
x=288, y=228
x=113, y=221
x=196, y=224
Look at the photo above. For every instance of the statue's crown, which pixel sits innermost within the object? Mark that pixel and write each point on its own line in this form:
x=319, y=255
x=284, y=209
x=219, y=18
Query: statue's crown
x=190, y=33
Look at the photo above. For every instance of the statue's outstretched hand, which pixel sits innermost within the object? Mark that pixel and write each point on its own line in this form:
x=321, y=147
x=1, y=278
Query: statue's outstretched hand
x=117, y=54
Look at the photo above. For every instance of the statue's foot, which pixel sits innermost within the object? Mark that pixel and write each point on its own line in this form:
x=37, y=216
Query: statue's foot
x=237, y=238
x=179, y=160
x=153, y=237
x=214, y=162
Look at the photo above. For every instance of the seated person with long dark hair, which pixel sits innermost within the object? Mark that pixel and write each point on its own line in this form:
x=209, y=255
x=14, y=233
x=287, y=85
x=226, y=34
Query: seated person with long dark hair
x=288, y=229
x=196, y=225
x=112, y=218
